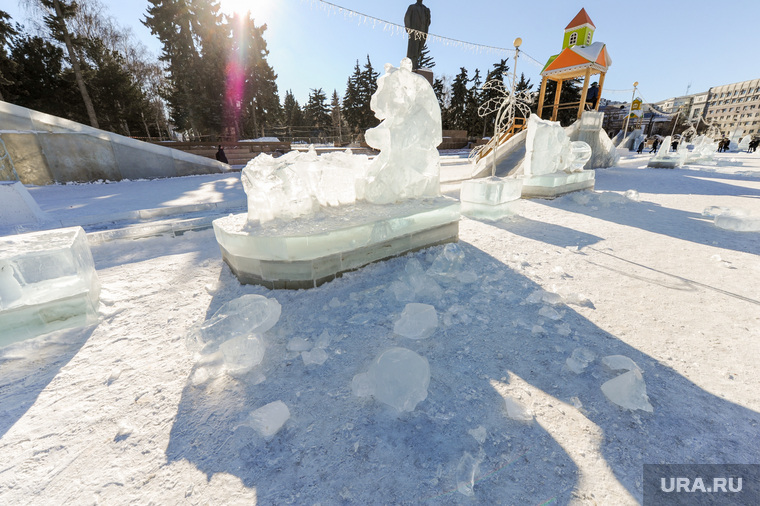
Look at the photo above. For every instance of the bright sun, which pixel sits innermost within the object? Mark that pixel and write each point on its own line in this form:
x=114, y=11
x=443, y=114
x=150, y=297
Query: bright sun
x=260, y=9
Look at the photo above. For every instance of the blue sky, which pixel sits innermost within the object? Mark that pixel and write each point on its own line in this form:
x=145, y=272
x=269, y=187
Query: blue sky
x=664, y=45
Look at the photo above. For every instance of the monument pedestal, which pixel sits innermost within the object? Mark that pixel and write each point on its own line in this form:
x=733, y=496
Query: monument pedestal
x=307, y=252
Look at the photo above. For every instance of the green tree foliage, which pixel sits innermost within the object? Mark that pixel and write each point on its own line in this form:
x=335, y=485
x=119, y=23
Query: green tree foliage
x=455, y=116
x=570, y=94
x=291, y=113
x=336, y=117
x=357, y=112
x=219, y=80
x=7, y=65
x=473, y=122
x=317, y=113
x=425, y=60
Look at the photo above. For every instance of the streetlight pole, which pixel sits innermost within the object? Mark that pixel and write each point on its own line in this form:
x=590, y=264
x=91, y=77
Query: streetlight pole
x=625, y=130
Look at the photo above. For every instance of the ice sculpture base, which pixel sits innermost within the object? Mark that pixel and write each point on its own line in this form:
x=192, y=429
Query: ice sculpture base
x=47, y=282
x=557, y=183
x=490, y=198
x=665, y=162
x=306, y=252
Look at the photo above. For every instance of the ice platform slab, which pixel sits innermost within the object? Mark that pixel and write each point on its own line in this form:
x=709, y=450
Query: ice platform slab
x=304, y=253
x=557, y=183
x=490, y=198
x=47, y=282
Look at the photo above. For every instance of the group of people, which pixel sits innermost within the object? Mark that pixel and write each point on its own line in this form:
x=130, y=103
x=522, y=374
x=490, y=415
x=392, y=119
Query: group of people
x=753, y=145
x=723, y=145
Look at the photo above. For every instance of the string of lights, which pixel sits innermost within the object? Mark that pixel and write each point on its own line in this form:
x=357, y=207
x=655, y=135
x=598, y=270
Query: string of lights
x=396, y=29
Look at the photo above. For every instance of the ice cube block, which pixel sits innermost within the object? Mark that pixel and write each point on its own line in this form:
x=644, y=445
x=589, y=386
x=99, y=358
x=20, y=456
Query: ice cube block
x=47, y=282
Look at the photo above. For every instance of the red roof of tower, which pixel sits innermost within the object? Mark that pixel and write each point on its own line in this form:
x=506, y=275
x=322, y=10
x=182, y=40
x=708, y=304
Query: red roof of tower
x=580, y=19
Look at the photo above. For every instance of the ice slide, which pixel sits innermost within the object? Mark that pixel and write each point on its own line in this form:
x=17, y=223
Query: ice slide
x=509, y=157
x=47, y=149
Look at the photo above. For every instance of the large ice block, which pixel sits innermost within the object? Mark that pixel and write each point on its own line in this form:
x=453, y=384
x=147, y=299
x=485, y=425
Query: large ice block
x=304, y=253
x=490, y=198
x=48, y=283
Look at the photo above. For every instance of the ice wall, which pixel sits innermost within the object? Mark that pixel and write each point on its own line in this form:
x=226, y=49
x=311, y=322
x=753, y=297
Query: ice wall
x=408, y=165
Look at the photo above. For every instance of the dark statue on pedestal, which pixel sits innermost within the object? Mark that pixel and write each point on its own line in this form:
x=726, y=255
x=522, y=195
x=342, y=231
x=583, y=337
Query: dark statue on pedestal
x=417, y=18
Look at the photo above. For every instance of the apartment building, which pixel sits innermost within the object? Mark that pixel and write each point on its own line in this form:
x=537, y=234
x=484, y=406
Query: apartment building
x=736, y=105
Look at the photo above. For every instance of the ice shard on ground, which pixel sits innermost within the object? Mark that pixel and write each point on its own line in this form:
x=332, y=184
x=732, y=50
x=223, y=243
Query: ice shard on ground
x=397, y=377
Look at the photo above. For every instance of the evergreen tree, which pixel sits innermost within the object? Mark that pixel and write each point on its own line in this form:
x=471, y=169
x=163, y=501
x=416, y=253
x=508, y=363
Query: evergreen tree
x=37, y=80
x=7, y=65
x=424, y=59
x=367, y=88
x=473, y=121
x=524, y=85
x=456, y=113
x=571, y=93
x=58, y=12
x=336, y=116
x=317, y=113
x=291, y=113
x=497, y=72
x=351, y=100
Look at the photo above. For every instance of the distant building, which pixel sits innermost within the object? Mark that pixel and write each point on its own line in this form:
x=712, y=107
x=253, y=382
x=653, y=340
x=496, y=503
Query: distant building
x=736, y=105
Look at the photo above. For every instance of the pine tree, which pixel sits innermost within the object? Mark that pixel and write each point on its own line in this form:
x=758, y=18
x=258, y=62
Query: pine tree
x=336, y=116
x=456, y=112
x=317, y=114
x=367, y=88
x=58, y=14
x=352, y=100
x=497, y=72
x=571, y=93
x=425, y=60
x=7, y=65
x=473, y=121
x=291, y=113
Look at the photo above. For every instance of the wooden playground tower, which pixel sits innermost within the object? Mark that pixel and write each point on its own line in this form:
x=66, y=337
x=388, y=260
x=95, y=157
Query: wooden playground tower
x=580, y=57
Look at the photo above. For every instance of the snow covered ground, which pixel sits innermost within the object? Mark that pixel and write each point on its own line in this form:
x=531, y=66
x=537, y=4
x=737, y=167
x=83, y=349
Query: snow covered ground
x=120, y=413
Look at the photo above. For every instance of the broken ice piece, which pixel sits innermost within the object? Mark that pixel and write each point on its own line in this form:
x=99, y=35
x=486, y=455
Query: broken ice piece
x=417, y=321
x=268, y=419
x=580, y=359
x=241, y=354
x=479, y=434
x=620, y=363
x=299, y=344
x=517, y=411
x=317, y=356
x=632, y=195
x=550, y=313
x=628, y=391
x=466, y=471
x=397, y=377
x=323, y=341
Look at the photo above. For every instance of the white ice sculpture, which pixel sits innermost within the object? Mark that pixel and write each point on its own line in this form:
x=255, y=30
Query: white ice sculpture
x=589, y=130
x=734, y=137
x=548, y=149
x=397, y=377
x=744, y=143
x=665, y=159
x=703, y=150
x=297, y=184
x=408, y=165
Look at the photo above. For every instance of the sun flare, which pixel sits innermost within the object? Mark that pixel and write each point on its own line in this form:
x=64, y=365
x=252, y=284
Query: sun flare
x=260, y=9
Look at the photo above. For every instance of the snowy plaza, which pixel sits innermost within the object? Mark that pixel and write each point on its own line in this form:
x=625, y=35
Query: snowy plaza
x=125, y=411
x=500, y=289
